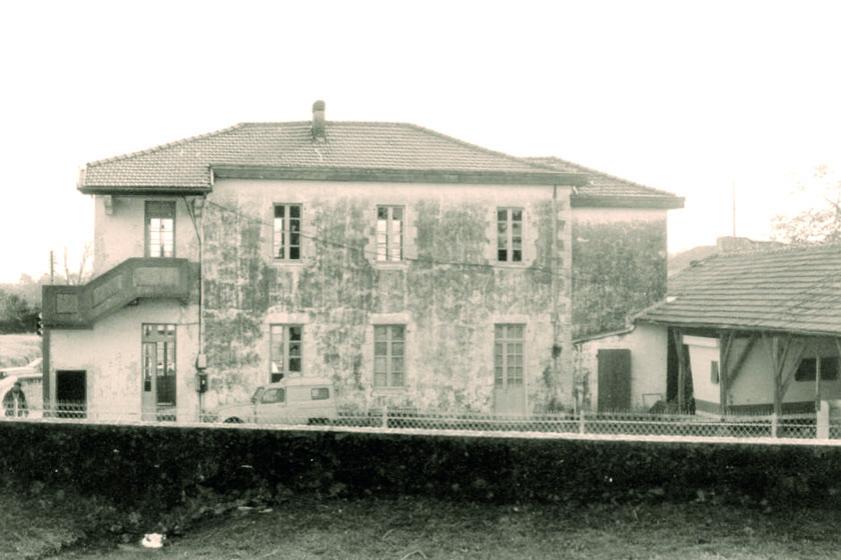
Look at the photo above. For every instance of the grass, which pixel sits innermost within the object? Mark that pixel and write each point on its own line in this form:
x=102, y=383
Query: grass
x=31, y=527
x=19, y=349
x=421, y=528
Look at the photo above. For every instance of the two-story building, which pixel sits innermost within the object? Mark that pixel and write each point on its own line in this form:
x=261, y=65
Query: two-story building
x=409, y=267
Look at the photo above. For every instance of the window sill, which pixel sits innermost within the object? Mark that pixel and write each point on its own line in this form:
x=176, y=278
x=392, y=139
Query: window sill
x=285, y=263
x=390, y=265
x=513, y=265
x=390, y=390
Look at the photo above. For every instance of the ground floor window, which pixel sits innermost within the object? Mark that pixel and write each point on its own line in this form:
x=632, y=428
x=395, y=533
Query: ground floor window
x=285, y=349
x=389, y=354
x=808, y=368
x=508, y=354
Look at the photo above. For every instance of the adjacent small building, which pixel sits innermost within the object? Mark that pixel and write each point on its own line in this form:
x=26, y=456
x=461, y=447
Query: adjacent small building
x=756, y=332
x=410, y=268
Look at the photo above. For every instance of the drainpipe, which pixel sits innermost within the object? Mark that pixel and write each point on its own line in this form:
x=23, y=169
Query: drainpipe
x=554, y=269
x=198, y=206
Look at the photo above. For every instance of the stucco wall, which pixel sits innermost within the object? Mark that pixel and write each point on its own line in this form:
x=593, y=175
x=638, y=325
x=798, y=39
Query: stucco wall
x=338, y=291
x=755, y=384
x=110, y=353
x=619, y=266
x=648, y=346
x=121, y=234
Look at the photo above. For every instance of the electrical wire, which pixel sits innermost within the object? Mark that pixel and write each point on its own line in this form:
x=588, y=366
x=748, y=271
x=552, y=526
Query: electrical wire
x=373, y=254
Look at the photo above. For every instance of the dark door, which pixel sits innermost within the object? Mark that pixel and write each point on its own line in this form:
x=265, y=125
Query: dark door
x=614, y=380
x=71, y=393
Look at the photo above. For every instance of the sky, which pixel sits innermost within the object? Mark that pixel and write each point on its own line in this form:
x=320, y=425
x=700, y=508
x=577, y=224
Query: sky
x=696, y=98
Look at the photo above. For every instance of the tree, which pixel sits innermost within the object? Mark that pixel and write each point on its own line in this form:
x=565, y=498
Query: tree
x=817, y=214
x=77, y=278
x=16, y=315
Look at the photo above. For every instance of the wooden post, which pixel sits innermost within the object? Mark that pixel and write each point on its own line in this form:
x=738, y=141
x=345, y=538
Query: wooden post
x=681, y=372
x=725, y=348
x=782, y=368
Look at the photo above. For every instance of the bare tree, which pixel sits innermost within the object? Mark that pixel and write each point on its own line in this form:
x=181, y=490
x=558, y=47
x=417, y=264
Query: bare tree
x=80, y=277
x=820, y=220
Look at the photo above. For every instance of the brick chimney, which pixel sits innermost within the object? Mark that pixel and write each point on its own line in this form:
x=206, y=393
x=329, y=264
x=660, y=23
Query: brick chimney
x=318, y=125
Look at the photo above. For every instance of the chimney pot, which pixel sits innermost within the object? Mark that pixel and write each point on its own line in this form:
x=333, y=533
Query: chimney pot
x=318, y=124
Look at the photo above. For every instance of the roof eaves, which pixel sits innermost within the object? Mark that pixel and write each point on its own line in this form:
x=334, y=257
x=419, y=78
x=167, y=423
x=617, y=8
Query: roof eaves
x=668, y=202
x=145, y=189
x=361, y=174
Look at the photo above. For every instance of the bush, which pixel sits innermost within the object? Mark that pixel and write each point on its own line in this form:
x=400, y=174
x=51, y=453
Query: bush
x=158, y=468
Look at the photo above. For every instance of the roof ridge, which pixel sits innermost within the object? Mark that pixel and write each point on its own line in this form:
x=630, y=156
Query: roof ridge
x=160, y=147
x=787, y=248
x=597, y=172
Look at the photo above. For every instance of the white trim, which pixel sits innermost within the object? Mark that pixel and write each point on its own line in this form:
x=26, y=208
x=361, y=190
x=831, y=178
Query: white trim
x=702, y=341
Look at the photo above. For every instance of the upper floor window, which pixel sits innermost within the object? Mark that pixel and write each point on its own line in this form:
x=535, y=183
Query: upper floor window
x=389, y=352
x=509, y=234
x=160, y=229
x=287, y=232
x=285, y=350
x=389, y=233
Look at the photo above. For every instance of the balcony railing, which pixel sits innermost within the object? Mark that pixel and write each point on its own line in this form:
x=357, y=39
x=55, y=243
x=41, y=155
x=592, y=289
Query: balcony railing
x=132, y=279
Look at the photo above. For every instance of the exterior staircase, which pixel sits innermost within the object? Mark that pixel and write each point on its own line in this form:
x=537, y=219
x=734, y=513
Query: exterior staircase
x=79, y=307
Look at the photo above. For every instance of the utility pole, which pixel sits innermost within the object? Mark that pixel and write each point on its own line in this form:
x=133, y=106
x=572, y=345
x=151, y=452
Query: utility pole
x=52, y=268
x=733, y=203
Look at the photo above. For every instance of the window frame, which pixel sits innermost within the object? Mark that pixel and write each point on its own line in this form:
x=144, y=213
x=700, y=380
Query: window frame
x=509, y=236
x=149, y=215
x=387, y=256
x=153, y=339
x=389, y=340
x=502, y=374
x=809, y=377
x=286, y=358
x=286, y=232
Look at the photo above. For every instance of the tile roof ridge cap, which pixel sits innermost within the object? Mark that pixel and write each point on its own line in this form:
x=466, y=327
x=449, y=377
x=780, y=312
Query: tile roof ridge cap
x=603, y=174
x=161, y=147
x=525, y=161
x=785, y=248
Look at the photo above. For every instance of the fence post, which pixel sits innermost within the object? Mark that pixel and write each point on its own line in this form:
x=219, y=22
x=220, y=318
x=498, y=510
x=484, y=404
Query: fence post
x=582, y=427
x=385, y=416
x=774, y=425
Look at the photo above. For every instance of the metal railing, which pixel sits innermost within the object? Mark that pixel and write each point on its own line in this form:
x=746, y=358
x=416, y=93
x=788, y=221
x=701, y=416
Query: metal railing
x=395, y=419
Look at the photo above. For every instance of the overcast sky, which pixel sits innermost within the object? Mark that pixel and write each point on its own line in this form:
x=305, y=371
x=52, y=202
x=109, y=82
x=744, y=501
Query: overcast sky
x=690, y=97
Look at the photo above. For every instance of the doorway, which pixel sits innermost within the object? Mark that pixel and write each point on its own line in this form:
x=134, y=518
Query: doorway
x=158, y=379
x=509, y=379
x=71, y=393
x=614, y=380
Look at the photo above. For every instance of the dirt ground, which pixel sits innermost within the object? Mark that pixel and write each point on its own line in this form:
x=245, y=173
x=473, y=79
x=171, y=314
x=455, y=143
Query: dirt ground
x=420, y=528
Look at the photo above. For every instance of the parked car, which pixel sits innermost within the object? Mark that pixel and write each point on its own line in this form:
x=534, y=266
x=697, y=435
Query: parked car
x=293, y=400
x=30, y=370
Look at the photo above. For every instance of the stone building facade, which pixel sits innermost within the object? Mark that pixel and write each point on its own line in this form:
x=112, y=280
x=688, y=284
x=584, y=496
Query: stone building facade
x=409, y=268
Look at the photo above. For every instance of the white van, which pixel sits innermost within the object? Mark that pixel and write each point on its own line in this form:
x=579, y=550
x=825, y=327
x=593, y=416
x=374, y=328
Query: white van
x=292, y=400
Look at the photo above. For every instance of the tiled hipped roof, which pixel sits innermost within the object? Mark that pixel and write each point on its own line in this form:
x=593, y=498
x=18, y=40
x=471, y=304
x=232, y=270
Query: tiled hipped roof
x=606, y=190
x=792, y=290
x=348, y=145
x=349, y=149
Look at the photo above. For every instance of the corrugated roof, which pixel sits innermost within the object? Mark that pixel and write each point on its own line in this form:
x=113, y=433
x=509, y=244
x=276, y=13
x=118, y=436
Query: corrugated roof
x=348, y=145
x=607, y=187
x=797, y=289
